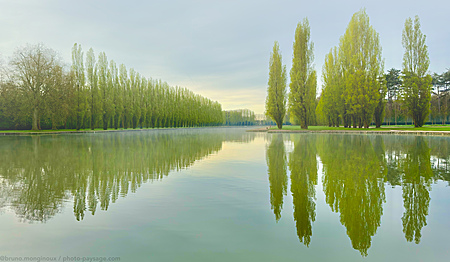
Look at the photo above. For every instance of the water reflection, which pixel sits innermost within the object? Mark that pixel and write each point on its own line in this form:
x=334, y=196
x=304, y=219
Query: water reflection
x=355, y=171
x=276, y=162
x=303, y=167
x=352, y=186
x=38, y=174
x=417, y=176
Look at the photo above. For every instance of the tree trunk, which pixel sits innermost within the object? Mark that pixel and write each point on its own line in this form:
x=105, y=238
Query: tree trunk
x=34, y=123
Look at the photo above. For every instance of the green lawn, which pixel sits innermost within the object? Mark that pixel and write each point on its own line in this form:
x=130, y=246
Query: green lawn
x=49, y=130
x=383, y=128
x=81, y=130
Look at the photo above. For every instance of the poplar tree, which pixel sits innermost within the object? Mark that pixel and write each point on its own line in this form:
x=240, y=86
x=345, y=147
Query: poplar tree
x=104, y=89
x=332, y=102
x=417, y=84
x=303, y=76
x=79, y=81
x=123, y=83
x=40, y=89
x=117, y=106
x=92, y=77
x=276, y=91
x=362, y=67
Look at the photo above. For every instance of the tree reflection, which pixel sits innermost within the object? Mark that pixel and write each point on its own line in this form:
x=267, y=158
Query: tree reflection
x=353, y=185
x=440, y=149
x=39, y=173
x=417, y=176
x=355, y=170
x=276, y=162
x=303, y=168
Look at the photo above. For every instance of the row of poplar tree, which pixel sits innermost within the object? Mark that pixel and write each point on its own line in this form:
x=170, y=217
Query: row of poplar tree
x=354, y=89
x=36, y=91
x=239, y=117
x=303, y=84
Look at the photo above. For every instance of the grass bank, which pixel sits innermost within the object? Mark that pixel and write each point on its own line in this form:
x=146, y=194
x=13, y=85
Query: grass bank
x=70, y=131
x=399, y=130
x=383, y=128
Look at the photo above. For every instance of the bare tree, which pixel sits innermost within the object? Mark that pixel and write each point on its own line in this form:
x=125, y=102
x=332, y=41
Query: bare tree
x=32, y=68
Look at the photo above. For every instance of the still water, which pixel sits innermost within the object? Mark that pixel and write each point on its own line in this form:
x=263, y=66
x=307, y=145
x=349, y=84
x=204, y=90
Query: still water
x=223, y=194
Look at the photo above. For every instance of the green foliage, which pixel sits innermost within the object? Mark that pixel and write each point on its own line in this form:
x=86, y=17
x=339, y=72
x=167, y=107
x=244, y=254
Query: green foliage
x=352, y=185
x=95, y=100
x=378, y=114
x=303, y=77
x=13, y=107
x=351, y=77
x=416, y=95
x=276, y=164
x=98, y=95
x=416, y=186
x=239, y=117
x=440, y=97
x=332, y=108
x=276, y=91
x=393, y=85
x=77, y=70
x=416, y=91
x=37, y=185
x=303, y=174
x=362, y=66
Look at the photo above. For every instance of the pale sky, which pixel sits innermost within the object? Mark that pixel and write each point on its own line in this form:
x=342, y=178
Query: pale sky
x=219, y=49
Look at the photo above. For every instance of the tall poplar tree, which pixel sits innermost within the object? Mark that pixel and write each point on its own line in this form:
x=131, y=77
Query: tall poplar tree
x=362, y=67
x=123, y=83
x=303, y=83
x=117, y=106
x=79, y=81
x=92, y=77
x=333, y=104
x=103, y=86
x=417, y=84
x=276, y=92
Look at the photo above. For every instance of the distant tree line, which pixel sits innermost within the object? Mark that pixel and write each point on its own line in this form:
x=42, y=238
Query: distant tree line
x=37, y=92
x=239, y=117
x=356, y=92
x=397, y=111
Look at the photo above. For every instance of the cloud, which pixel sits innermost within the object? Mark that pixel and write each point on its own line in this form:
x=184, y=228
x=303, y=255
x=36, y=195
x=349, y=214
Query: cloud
x=216, y=48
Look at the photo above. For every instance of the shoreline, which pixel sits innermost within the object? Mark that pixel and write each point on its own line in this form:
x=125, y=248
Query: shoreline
x=260, y=130
x=55, y=132
x=365, y=131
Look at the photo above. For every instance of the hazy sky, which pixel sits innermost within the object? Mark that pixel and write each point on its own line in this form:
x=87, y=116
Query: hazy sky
x=219, y=49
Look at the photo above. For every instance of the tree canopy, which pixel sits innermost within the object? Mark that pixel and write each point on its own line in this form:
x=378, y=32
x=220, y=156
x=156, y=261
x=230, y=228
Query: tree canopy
x=94, y=93
x=303, y=84
x=276, y=90
x=416, y=91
